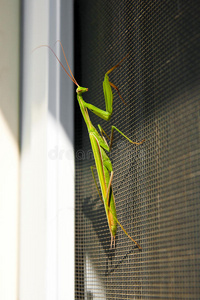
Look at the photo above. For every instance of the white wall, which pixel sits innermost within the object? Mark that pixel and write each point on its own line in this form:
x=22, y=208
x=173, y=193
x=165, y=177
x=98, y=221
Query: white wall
x=9, y=147
x=36, y=184
x=46, y=268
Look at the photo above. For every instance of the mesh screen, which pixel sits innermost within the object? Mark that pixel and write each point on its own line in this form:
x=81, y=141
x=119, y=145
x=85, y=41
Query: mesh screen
x=156, y=185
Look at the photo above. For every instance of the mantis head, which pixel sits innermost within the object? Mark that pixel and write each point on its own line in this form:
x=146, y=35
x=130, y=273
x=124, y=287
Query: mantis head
x=81, y=90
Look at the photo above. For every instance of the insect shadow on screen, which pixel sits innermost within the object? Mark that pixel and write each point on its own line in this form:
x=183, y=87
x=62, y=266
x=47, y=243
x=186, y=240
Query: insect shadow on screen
x=117, y=265
x=94, y=210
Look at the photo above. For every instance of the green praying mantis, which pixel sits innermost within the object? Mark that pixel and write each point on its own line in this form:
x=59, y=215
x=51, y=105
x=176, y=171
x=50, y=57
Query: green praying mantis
x=99, y=144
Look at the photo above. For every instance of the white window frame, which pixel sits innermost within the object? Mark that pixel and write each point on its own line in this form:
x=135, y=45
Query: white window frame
x=46, y=249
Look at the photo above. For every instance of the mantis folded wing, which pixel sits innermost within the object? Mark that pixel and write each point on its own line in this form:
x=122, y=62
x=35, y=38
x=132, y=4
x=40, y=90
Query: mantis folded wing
x=100, y=145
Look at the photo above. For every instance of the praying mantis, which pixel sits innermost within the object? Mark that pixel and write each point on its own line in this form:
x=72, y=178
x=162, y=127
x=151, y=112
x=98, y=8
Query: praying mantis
x=99, y=144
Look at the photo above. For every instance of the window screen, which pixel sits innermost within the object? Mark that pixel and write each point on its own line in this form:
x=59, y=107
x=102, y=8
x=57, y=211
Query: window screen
x=156, y=185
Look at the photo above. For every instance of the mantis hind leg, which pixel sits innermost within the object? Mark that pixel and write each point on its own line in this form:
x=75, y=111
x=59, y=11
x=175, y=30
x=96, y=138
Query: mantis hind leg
x=109, y=209
x=92, y=168
x=106, y=204
x=109, y=185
